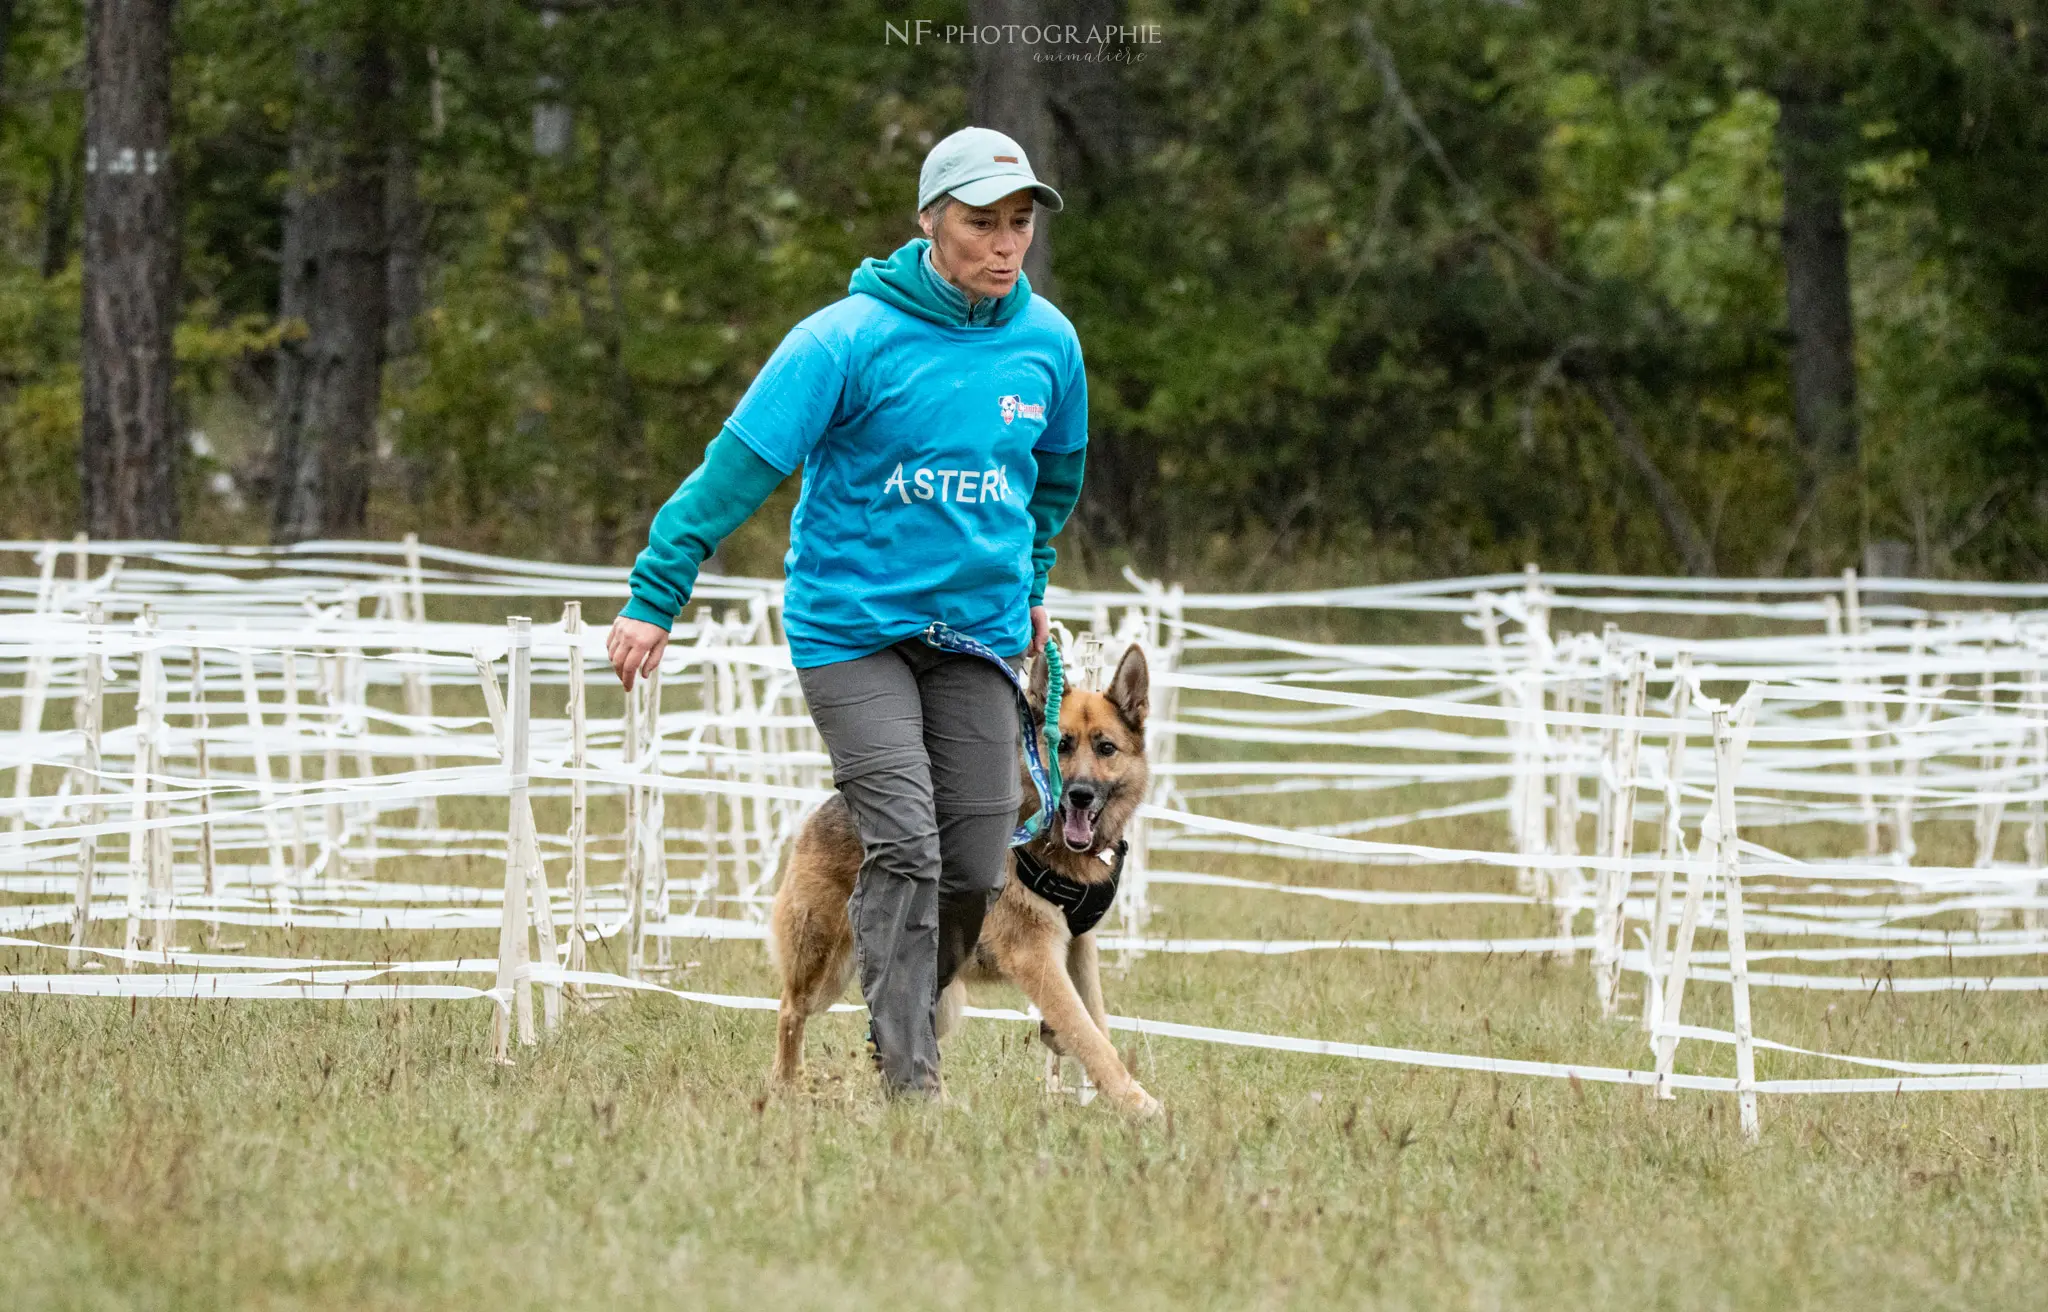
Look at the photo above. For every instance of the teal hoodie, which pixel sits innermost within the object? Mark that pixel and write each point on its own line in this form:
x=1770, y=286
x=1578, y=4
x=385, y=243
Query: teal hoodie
x=733, y=480
x=909, y=281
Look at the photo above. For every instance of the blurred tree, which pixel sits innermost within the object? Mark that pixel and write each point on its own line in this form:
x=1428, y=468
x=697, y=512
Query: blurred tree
x=1383, y=290
x=1012, y=93
x=1090, y=102
x=333, y=281
x=6, y=40
x=1812, y=145
x=128, y=441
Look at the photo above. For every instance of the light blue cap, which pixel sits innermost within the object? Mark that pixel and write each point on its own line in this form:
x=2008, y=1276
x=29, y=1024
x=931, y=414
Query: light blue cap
x=979, y=166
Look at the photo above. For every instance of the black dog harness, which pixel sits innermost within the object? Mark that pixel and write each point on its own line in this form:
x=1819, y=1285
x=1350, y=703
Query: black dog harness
x=1084, y=905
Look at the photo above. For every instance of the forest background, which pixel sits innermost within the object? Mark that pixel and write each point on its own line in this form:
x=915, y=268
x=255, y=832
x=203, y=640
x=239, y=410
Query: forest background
x=1375, y=291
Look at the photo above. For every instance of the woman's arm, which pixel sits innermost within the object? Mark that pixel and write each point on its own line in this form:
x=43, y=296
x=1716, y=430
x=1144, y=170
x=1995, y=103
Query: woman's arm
x=730, y=485
x=1053, y=499
x=705, y=510
x=785, y=412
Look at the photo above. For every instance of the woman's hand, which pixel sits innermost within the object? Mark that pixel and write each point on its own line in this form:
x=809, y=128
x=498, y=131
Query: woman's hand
x=1041, y=629
x=635, y=648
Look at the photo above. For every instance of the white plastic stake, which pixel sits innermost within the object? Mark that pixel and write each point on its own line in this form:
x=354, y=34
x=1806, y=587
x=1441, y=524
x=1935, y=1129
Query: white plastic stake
x=1621, y=840
x=419, y=690
x=653, y=813
x=513, y=985
x=140, y=847
x=636, y=868
x=1727, y=762
x=208, y=870
x=266, y=788
x=2037, y=815
x=295, y=765
x=1916, y=713
x=712, y=737
x=1567, y=884
x=1854, y=709
x=579, y=792
x=328, y=667
x=1673, y=843
x=90, y=710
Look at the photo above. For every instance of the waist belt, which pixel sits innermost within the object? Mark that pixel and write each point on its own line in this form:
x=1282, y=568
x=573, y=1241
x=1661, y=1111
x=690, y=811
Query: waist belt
x=1084, y=905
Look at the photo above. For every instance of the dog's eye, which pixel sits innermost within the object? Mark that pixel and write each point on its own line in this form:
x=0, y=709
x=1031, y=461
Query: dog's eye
x=1066, y=743
x=1104, y=747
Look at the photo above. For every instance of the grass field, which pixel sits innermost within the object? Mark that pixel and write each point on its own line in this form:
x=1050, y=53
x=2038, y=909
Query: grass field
x=326, y=1155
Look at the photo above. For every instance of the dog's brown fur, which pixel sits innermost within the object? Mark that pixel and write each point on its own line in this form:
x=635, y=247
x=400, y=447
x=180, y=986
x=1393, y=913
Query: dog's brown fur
x=1025, y=938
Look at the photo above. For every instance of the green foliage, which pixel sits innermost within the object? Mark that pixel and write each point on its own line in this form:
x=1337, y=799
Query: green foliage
x=1309, y=338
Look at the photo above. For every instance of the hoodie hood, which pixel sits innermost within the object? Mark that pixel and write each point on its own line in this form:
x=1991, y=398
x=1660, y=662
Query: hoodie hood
x=908, y=281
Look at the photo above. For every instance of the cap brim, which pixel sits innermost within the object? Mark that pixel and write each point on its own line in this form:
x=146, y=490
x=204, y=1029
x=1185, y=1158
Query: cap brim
x=987, y=191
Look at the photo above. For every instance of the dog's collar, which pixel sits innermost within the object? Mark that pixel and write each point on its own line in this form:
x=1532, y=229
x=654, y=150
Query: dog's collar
x=1084, y=905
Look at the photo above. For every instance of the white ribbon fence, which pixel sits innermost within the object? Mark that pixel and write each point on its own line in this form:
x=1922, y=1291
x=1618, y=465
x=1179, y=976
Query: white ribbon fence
x=213, y=738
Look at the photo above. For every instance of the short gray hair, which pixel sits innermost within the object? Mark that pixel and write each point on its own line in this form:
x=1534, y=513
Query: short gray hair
x=936, y=210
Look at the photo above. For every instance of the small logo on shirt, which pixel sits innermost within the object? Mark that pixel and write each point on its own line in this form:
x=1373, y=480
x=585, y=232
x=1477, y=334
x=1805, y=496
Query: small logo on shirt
x=1016, y=407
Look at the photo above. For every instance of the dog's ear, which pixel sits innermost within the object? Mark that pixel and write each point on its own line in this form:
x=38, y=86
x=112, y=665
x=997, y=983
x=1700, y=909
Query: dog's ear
x=1131, y=690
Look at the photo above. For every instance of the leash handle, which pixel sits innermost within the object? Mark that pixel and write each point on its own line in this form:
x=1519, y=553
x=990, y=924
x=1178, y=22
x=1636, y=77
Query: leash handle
x=1055, y=688
x=946, y=638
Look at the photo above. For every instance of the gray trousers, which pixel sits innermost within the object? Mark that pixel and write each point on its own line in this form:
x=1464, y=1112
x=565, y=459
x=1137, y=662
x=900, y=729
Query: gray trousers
x=924, y=748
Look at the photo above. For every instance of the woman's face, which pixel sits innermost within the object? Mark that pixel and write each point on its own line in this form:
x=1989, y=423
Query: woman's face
x=980, y=248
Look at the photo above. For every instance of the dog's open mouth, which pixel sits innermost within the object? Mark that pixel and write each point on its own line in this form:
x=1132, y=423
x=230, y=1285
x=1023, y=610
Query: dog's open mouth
x=1077, y=826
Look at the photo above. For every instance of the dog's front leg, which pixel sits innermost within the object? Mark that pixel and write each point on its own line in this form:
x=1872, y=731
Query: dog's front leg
x=1040, y=972
x=1085, y=967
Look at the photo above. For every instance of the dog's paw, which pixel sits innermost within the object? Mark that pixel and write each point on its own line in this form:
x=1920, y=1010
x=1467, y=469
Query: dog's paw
x=1139, y=1103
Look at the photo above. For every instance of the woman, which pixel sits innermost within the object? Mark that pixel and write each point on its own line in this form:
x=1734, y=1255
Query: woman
x=940, y=416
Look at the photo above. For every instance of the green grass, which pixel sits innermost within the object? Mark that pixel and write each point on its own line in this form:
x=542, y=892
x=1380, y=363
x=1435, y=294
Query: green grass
x=298, y=1155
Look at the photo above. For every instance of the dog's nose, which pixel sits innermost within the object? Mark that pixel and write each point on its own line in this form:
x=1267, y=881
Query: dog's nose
x=1082, y=795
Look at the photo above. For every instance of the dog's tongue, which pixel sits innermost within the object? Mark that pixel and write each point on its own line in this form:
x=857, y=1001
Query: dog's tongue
x=1076, y=828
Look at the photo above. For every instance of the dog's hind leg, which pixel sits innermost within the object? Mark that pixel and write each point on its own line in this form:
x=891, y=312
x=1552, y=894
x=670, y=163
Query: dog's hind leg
x=789, y=1042
x=952, y=999
x=815, y=968
x=797, y=984
x=810, y=940
x=814, y=947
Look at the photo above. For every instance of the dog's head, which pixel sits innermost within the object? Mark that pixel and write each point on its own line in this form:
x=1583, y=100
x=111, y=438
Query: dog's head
x=1102, y=756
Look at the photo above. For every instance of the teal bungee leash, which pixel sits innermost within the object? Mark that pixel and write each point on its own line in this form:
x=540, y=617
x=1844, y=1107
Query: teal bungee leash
x=1041, y=742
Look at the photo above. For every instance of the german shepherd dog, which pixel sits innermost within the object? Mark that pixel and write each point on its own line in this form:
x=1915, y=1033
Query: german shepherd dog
x=1025, y=938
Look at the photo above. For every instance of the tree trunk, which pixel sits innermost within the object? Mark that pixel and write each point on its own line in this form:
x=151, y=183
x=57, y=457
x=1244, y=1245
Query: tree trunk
x=1010, y=95
x=1090, y=105
x=405, y=220
x=333, y=283
x=6, y=35
x=57, y=217
x=127, y=448
x=1811, y=150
